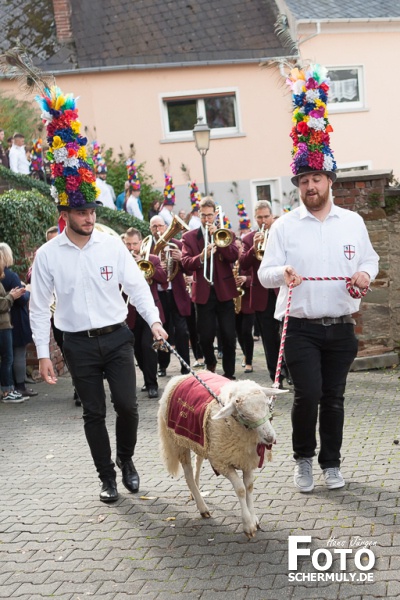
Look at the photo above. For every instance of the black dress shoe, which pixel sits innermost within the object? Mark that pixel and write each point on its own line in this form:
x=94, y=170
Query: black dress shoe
x=77, y=399
x=153, y=392
x=231, y=377
x=211, y=368
x=130, y=477
x=108, y=492
x=162, y=373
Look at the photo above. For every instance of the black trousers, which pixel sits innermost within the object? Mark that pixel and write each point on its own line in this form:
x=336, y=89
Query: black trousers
x=319, y=358
x=174, y=322
x=194, y=338
x=207, y=316
x=269, y=329
x=244, y=331
x=88, y=360
x=145, y=355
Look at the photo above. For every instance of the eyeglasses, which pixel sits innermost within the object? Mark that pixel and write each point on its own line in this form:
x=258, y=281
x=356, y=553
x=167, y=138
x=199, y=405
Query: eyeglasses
x=207, y=216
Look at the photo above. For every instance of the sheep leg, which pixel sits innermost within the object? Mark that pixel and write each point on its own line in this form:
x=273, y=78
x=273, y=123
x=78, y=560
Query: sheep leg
x=199, y=462
x=249, y=523
x=248, y=480
x=191, y=483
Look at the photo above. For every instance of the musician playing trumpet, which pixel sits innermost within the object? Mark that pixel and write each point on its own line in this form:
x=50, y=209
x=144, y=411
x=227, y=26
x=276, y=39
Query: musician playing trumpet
x=144, y=353
x=174, y=296
x=210, y=253
x=244, y=312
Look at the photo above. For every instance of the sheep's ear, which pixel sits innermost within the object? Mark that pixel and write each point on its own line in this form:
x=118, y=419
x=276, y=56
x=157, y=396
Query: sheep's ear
x=273, y=391
x=226, y=411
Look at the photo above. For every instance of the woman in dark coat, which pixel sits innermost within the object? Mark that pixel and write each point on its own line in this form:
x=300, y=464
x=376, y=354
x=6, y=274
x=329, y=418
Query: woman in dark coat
x=21, y=333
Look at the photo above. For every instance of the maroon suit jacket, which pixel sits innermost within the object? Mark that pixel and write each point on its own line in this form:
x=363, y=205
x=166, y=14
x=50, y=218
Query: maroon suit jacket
x=178, y=285
x=246, y=308
x=224, y=282
x=158, y=277
x=249, y=261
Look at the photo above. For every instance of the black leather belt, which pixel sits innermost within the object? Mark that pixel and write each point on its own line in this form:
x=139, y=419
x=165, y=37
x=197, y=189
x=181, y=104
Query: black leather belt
x=327, y=320
x=99, y=331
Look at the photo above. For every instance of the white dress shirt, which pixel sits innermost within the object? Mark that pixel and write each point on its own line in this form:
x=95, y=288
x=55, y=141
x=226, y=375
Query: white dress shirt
x=86, y=283
x=105, y=196
x=194, y=222
x=132, y=207
x=166, y=215
x=339, y=246
x=18, y=161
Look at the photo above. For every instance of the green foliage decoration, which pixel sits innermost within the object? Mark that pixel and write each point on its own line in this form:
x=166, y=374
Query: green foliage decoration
x=20, y=116
x=117, y=175
x=25, y=182
x=120, y=221
x=24, y=218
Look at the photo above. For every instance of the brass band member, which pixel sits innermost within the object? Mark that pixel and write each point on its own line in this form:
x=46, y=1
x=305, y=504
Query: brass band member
x=244, y=312
x=213, y=296
x=174, y=297
x=262, y=301
x=144, y=353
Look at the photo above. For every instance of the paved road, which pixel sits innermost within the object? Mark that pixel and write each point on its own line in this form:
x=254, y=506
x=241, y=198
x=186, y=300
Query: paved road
x=58, y=541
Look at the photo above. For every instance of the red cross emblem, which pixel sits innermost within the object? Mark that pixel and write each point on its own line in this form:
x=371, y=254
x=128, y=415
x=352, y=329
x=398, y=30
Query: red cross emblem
x=349, y=251
x=106, y=273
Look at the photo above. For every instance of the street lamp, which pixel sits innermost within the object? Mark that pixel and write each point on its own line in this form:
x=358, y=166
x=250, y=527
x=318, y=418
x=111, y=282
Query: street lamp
x=201, y=134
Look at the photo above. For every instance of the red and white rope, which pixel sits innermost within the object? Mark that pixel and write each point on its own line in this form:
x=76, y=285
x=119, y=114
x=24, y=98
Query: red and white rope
x=353, y=291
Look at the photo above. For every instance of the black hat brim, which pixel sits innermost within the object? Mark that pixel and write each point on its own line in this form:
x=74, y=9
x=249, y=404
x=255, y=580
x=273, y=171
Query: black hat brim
x=307, y=170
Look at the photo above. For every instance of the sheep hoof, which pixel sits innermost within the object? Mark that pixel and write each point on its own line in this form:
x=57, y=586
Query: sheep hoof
x=250, y=535
x=206, y=515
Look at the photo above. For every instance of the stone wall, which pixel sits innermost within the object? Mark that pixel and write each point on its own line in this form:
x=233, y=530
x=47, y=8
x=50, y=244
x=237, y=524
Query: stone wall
x=364, y=191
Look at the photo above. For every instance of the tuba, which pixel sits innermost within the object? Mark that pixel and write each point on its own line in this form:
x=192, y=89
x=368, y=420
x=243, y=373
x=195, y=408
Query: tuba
x=176, y=226
x=145, y=265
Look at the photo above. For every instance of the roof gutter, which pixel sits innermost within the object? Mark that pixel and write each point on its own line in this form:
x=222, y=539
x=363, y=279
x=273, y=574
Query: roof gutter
x=176, y=65
x=361, y=20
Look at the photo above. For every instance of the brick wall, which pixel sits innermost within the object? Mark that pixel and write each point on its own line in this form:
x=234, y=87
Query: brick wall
x=62, y=16
x=364, y=192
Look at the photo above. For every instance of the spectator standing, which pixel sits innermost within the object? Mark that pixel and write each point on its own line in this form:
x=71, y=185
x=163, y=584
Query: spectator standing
x=4, y=160
x=19, y=162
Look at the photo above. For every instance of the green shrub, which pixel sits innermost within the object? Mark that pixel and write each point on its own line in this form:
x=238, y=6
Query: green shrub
x=24, y=218
x=120, y=221
x=24, y=182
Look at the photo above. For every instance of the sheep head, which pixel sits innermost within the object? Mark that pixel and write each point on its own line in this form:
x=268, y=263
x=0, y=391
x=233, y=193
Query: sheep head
x=249, y=403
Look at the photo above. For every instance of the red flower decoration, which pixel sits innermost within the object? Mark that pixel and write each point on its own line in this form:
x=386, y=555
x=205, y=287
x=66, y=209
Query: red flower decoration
x=72, y=183
x=303, y=128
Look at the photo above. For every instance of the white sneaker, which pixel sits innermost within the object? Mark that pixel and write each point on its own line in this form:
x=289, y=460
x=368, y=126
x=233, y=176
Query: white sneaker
x=10, y=398
x=198, y=364
x=303, y=477
x=333, y=478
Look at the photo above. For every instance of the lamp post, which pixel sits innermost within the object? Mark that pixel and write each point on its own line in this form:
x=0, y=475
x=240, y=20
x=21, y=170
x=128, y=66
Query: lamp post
x=201, y=134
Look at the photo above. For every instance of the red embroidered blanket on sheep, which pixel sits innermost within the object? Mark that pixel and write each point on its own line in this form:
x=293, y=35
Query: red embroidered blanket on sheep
x=189, y=404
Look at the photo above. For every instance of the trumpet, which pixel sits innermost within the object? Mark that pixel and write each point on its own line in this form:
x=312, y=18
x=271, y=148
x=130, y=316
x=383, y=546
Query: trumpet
x=145, y=265
x=208, y=259
x=262, y=245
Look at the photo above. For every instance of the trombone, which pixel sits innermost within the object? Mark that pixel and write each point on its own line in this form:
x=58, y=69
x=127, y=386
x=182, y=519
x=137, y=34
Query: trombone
x=262, y=245
x=145, y=265
x=222, y=239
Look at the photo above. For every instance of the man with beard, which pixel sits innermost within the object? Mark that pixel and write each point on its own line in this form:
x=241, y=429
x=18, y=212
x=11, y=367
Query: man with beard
x=317, y=239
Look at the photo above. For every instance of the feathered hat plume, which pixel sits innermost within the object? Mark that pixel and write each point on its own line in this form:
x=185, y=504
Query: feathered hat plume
x=169, y=189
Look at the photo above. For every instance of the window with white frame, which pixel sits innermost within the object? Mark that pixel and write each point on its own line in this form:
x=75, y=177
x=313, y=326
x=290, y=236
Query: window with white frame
x=218, y=109
x=346, y=89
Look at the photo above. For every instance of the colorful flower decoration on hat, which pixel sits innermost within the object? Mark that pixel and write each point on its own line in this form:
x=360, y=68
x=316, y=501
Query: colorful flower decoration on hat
x=226, y=222
x=37, y=156
x=244, y=221
x=133, y=175
x=169, y=190
x=73, y=180
x=310, y=132
x=195, y=195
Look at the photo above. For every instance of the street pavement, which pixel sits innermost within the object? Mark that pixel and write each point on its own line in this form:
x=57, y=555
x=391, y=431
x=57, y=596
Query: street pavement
x=57, y=540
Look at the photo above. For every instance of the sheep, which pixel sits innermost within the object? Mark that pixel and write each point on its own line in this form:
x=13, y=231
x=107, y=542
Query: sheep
x=229, y=445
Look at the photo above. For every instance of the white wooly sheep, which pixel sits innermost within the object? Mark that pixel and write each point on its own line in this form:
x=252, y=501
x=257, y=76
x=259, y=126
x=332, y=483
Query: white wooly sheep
x=232, y=445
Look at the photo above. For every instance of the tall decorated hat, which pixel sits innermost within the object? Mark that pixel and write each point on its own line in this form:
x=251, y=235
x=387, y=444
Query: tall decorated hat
x=244, y=221
x=37, y=156
x=133, y=175
x=310, y=132
x=73, y=182
x=195, y=195
x=99, y=163
x=169, y=190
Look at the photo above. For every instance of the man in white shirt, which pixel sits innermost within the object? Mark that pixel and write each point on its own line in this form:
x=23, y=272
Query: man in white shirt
x=18, y=159
x=317, y=239
x=107, y=194
x=132, y=205
x=85, y=269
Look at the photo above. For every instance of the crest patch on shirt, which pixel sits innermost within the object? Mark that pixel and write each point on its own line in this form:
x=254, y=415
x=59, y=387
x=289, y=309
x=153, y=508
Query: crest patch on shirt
x=349, y=251
x=106, y=273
